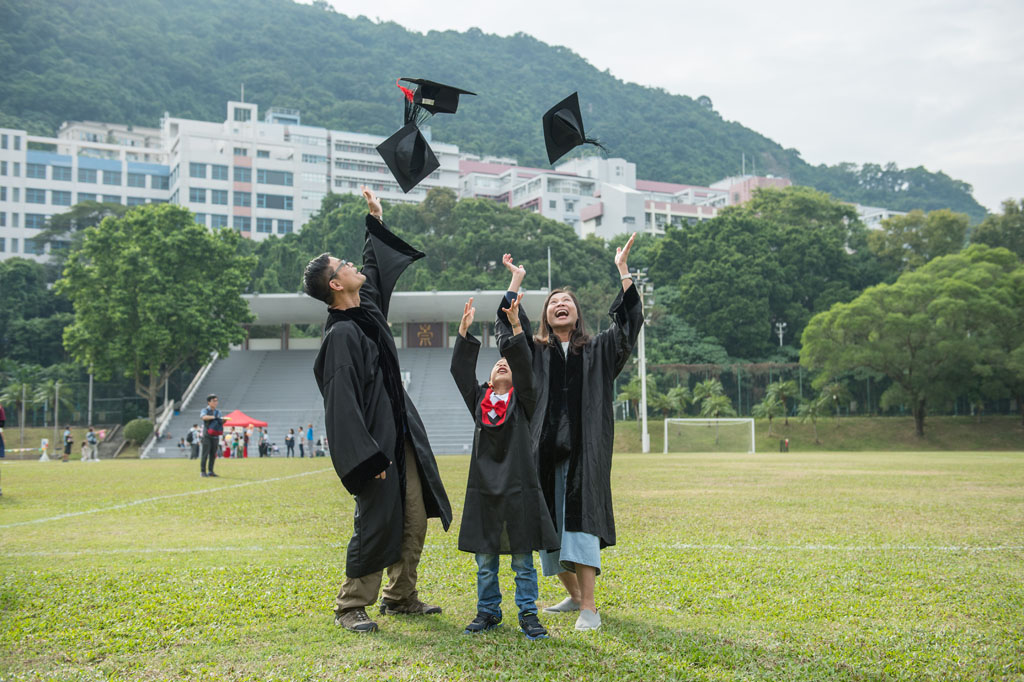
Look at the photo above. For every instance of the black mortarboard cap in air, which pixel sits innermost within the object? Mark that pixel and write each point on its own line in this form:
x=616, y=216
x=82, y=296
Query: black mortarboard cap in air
x=436, y=98
x=408, y=156
x=563, y=128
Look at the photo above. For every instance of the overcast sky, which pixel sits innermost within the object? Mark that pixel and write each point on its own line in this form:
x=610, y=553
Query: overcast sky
x=938, y=84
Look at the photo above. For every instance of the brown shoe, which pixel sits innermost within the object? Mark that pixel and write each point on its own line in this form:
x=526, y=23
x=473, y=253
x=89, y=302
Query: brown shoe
x=410, y=607
x=355, y=620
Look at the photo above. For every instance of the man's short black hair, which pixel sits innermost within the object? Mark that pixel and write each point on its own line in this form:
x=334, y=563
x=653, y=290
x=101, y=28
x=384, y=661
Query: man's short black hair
x=315, y=279
x=210, y=397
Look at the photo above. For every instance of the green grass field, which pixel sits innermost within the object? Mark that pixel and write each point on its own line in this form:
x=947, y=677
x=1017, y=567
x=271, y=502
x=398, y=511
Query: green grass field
x=803, y=566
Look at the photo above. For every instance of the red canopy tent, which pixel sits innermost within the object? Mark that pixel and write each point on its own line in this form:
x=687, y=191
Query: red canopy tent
x=239, y=418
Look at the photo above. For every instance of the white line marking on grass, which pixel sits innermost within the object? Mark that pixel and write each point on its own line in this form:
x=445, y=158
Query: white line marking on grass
x=188, y=550
x=161, y=497
x=846, y=548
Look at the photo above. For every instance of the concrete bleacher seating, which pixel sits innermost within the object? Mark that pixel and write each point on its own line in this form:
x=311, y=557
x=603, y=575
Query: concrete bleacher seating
x=278, y=387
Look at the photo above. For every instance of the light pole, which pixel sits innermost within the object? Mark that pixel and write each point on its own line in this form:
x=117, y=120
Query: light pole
x=780, y=329
x=643, y=286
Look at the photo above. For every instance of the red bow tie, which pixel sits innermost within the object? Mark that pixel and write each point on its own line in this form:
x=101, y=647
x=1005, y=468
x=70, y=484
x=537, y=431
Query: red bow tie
x=499, y=408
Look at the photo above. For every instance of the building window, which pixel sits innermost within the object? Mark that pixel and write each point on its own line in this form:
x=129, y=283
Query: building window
x=3, y=242
x=17, y=142
x=35, y=196
x=35, y=170
x=3, y=141
x=243, y=115
x=136, y=201
x=219, y=196
x=83, y=196
x=87, y=175
x=262, y=154
x=111, y=177
x=243, y=199
x=243, y=174
x=14, y=220
x=313, y=158
x=15, y=194
x=218, y=220
x=270, y=177
x=111, y=199
x=36, y=221
x=597, y=221
x=197, y=170
x=629, y=220
x=3, y=168
x=242, y=223
x=62, y=173
x=264, y=225
x=136, y=179
x=197, y=195
x=279, y=201
x=14, y=245
x=241, y=151
x=218, y=172
x=159, y=182
x=3, y=219
x=35, y=246
x=3, y=194
x=284, y=226
x=552, y=204
x=60, y=198
x=201, y=219
x=16, y=171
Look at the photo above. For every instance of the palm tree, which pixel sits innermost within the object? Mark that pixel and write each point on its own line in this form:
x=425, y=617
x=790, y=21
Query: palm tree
x=769, y=408
x=783, y=391
x=812, y=409
x=836, y=394
x=19, y=390
x=706, y=388
x=716, y=407
x=680, y=398
x=631, y=392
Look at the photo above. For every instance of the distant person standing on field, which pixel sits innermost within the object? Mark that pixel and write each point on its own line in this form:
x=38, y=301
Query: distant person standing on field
x=289, y=442
x=193, y=438
x=309, y=440
x=213, y=427
x=68, y=442
x=3, y=418
x=91, y=446
x=302, y=448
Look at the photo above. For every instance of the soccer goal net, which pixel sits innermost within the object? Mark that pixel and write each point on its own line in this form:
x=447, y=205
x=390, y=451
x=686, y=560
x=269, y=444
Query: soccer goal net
x=709, y=435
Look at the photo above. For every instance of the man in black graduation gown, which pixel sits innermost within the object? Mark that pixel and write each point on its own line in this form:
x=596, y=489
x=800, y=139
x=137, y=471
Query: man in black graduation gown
x=378, y=443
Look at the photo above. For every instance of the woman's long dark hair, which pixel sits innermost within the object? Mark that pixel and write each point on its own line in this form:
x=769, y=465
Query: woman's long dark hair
x=577, y=338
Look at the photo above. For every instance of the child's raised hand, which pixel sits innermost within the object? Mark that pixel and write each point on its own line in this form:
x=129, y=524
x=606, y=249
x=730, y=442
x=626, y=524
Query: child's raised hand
x=468, y=312
x=512, y=314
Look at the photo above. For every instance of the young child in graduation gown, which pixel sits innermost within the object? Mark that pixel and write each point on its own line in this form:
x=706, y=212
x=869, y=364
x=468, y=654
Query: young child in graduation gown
x=504, y=511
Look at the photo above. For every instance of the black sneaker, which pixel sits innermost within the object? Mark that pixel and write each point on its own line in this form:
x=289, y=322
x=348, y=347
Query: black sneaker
x=531, y=627
x=355, y=620
x=482, y=623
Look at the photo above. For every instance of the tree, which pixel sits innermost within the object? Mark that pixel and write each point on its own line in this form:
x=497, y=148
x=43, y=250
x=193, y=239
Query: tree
x=812, y=409
x=783, y=391
x=1006, y=229
x=768, y=408
x=19, y=389
x=631, y=393
x=907, y=242
x=927, y=331
x=714, y=404
x=151, y=291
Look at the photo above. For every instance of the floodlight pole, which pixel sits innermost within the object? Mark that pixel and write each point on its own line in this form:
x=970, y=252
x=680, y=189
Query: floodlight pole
x=645, y=437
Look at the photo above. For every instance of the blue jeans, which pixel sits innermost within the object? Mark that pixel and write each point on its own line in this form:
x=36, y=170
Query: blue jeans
x=488, y=593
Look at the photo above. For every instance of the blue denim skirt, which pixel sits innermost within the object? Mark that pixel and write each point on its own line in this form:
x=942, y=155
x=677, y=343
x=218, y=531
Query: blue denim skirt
x=577, y=547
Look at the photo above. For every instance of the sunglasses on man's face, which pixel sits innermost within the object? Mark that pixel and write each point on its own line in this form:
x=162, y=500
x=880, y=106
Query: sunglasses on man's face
x=342, y=264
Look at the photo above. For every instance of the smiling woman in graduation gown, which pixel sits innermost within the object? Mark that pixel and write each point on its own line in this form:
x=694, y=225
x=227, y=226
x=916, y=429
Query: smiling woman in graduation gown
x=369, y=416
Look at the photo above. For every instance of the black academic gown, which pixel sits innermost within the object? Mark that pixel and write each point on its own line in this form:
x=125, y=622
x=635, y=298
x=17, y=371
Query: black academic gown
x=365, y=434
x=505, y=511
x=588, y=503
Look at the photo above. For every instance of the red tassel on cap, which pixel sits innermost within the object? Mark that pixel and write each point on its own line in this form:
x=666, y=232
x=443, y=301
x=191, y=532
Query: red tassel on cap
x=407, y=91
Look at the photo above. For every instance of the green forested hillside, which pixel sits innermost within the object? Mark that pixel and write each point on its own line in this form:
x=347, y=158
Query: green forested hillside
x=130, y=61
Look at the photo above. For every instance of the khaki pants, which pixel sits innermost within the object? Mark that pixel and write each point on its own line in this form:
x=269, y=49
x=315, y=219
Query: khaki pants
x=356, y=592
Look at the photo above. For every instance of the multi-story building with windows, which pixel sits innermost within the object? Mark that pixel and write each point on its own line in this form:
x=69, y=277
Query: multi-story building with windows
x=258, y=177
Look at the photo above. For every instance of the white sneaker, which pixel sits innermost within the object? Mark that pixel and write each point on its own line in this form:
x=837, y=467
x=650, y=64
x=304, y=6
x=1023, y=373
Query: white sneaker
x=588, y=620
x=564, y=606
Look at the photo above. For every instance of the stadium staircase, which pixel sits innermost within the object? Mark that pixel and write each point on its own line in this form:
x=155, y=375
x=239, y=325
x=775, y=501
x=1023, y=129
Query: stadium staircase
x=278, y=387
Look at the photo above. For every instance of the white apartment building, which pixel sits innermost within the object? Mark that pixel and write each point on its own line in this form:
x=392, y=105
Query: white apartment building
x=258, y=177
x=603, y=196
